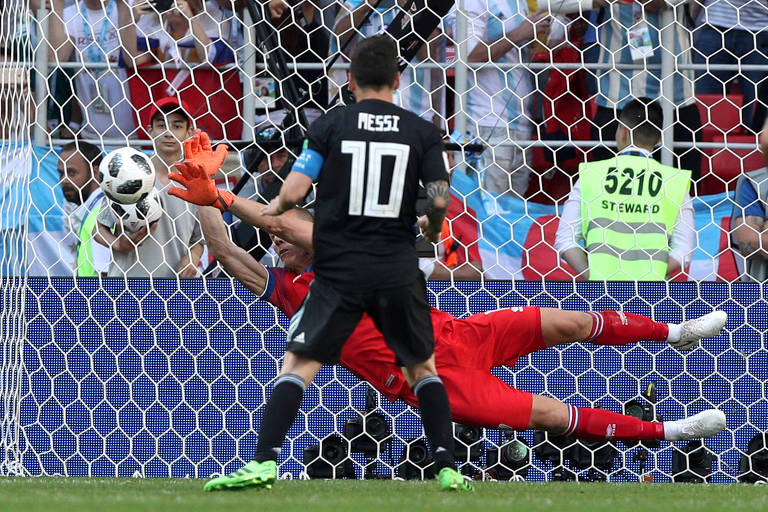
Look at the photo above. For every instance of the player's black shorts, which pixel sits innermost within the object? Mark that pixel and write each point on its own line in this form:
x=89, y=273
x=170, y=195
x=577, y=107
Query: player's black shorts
x=320, y=327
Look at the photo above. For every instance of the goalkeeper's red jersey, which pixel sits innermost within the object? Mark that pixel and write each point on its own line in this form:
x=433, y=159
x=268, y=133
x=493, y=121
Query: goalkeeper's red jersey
x=465, y=351
x=365, y=354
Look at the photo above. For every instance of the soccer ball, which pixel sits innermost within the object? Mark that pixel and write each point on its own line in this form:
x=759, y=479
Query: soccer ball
x=126, y=175
x=140, y=214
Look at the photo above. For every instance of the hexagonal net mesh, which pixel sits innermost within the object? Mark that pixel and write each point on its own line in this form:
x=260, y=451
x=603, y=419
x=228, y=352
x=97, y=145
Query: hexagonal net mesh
x=130, y=353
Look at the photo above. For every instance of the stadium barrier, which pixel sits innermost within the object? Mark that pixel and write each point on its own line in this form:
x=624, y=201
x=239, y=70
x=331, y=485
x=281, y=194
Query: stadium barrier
x=167, y=379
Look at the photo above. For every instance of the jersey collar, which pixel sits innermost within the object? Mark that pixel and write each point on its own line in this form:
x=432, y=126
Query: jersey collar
x=636, y=151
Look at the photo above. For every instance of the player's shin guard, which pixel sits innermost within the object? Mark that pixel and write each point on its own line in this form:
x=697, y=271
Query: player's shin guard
x=436, y=417
x=601, y=425
x=279, y=414
x=620, y=328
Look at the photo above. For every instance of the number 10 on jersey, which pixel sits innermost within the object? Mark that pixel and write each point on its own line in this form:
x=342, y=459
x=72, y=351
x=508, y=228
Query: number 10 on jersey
x=377, y=151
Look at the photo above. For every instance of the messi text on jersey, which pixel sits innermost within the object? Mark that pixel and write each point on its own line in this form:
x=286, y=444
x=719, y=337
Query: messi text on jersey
x=378, y=122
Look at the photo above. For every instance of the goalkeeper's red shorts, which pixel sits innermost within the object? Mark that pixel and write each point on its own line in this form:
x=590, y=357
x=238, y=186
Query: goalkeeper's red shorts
x=467, y=349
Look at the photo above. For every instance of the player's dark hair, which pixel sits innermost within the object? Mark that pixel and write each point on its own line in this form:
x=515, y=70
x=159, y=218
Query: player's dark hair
x=644, y=119
x=91, y=154
x=374, y=62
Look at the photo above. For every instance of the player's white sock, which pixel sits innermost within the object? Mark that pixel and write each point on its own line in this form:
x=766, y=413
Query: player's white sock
x=674, y=333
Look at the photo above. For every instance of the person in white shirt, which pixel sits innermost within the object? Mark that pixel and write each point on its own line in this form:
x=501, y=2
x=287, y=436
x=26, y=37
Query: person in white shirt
x=172, y=246
x=627, y=189
x=191, y=32
x=416, y=89
x=78, y=170
x=88, y=31
x=499, y=99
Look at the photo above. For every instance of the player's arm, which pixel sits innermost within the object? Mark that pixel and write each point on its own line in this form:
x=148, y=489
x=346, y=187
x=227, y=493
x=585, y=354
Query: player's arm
x=434, y=175
x=569, y=233
x=294, y=189
x=289, y=226
x=750, y=236
x=235, y=260
x=438, y=199
x=196, y=174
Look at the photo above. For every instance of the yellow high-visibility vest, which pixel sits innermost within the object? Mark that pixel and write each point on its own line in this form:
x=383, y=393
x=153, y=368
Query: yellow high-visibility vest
x=629, y=206
x=84, y=251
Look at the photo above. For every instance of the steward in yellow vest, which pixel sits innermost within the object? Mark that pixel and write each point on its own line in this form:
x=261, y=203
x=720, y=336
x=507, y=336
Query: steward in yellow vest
x=629, y=205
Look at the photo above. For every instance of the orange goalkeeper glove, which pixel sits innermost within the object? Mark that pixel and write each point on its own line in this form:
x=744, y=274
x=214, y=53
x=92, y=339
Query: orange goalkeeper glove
x=197, y=171
x=198, y=151
x=200, y=187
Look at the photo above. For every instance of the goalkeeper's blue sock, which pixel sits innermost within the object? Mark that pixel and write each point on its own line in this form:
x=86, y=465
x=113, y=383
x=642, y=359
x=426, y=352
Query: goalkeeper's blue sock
x=279, y=414
x=436, y=417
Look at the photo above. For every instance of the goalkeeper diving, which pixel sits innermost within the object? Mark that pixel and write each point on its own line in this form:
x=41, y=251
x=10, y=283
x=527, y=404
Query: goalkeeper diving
x=466, y=349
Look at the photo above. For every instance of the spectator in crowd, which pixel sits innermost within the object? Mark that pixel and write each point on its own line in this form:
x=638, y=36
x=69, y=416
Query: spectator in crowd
x=632, y=34
x=499, y=100
x=87, y=30
x=415, y=92
x=304, y=39
x=34, y=235
x=188, y=38
x=78, y=170
x=749, y=221
x=16, y=109
x=633, y=214
x=267, y=171
x=174, y=245
x=16, y=160
x=18, y=34
x=734, y=32
x=189, y=32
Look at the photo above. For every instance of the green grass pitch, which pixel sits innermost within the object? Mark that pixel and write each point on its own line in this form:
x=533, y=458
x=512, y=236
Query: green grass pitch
x=139, y=495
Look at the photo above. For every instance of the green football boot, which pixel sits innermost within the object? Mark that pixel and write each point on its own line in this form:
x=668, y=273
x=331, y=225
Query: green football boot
x=253, y=474
x=452, y=480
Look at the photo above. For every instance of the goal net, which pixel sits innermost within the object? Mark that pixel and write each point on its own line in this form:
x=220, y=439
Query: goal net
x=160, y=366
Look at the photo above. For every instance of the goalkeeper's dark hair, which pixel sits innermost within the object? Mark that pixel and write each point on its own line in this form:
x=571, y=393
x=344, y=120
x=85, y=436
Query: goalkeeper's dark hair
x=374, y=62
x=90, y=153
x=644, y=119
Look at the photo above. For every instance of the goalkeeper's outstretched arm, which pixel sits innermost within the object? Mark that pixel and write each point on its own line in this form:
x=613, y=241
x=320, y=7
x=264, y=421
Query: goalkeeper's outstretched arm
x=288, y=226
x=196, y=176
x=235, y=260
